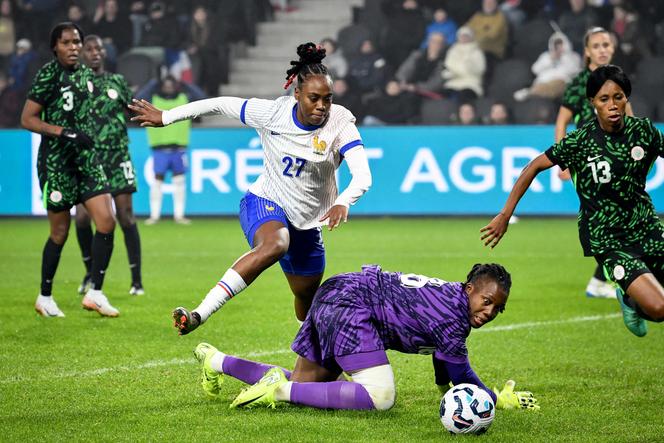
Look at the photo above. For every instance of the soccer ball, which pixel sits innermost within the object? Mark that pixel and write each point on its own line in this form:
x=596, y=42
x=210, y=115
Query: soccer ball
x=467, y=409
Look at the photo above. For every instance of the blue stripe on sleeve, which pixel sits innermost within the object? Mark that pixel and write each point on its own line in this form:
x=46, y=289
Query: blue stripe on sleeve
x=347, y=146
x=244, y=106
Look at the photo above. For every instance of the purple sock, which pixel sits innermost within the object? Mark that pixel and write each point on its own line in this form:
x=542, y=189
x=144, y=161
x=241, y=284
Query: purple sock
x=332, y=395
x=247, y=371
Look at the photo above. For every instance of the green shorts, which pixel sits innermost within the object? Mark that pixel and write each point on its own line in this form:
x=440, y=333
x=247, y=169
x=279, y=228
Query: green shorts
x=119, y=170
x=623, y=267
x=69, y=176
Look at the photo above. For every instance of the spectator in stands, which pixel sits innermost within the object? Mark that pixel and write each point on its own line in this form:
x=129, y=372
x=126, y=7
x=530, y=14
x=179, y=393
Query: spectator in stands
x=632, y=31
x=466, y=114
x=169, y=144
x=7, y=32
x=405, y=29
x=499, y=114
x=576, y=21
x=114, y=27
x=461, y=11
x=343, y=96
x=207, y=50
x=161, y=29
x=38, y=16
x=443, y=24
x=138, y=14
x=553, y=69
x=464, y=68
x=366, y=71
x=393, y=106
x=11, y=102
x=335, y=61
x=491, y=30
x=23, y=65
x=514, y=13
x=421, y=71
x=78, y=15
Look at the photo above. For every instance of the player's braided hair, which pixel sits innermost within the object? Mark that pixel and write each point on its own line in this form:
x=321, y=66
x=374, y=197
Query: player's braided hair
x=493, y=271
x=311, y=56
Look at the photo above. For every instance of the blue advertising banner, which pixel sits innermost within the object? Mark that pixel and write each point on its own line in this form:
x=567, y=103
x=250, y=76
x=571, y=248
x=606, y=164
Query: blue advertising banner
x=416, y=171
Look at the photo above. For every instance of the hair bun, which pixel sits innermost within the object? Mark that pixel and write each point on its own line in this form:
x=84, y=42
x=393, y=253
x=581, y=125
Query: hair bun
x=310, y=53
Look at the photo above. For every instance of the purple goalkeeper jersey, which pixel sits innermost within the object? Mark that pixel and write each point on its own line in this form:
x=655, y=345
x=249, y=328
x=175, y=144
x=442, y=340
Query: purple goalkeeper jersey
x=418, y=314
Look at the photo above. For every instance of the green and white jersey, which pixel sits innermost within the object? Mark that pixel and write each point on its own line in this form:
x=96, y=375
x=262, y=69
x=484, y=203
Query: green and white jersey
x=609, y=171
x=111, y=97
x=65, y=96
x=575, y=99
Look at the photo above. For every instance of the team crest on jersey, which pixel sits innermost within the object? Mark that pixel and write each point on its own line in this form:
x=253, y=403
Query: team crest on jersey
x=55, y=196
x=91, y=87
x=619, y=272
x=112, y=93
x=638, y=153
x=319, y=146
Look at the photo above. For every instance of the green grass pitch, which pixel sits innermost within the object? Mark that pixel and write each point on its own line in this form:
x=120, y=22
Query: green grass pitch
x=87, y=378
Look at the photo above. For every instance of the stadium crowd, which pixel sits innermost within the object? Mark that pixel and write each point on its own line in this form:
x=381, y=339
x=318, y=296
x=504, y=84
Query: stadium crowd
x=399, y=62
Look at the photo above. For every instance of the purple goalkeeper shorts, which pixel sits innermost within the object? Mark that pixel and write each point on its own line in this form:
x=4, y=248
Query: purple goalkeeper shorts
x=338, y=332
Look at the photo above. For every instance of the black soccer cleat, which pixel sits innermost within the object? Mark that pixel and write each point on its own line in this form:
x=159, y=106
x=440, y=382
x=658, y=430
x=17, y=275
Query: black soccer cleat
x=185, y=321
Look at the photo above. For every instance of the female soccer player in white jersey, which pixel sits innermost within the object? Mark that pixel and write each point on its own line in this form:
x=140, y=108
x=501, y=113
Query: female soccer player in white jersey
x=304, y=138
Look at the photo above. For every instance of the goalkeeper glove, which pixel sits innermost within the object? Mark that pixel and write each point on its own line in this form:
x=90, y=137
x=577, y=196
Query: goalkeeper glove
x=80, y=138
x=507, y=398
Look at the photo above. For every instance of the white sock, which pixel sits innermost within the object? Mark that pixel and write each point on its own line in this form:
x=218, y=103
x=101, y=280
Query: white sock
x=155, y=199
x=282, y=393
x=179, y=195
x=228, y=287
x=217, y=362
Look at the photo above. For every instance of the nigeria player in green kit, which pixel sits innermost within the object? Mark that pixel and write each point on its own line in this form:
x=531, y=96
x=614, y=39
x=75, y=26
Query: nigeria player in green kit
x=58, y=107
x=598, y=49
x=111, y=96
x=609, y=159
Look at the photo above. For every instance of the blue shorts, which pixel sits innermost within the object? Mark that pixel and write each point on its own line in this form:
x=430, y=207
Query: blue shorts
x=306, y=252
x=174, y=160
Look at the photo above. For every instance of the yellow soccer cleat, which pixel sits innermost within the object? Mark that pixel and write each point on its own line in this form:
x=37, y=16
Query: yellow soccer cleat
x=261, y=393
x=211, y=380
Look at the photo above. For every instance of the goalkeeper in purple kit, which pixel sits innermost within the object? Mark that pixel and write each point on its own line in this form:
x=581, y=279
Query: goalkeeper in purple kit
x=353, y=320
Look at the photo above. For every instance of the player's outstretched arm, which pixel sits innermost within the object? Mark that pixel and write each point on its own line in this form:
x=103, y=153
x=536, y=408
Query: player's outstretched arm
x=495, y=230
x=146, y=113
x=565, y=116
x=508, y=398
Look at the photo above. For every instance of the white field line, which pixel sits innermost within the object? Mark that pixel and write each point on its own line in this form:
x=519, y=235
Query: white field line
x=184, y=361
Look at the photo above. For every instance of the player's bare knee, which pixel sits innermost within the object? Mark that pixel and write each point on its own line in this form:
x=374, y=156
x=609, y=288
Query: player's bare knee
x=273, y=250
x=657, y=312
x=125, y=218
x=106, y=226
x=59, y=233
x=59, y=236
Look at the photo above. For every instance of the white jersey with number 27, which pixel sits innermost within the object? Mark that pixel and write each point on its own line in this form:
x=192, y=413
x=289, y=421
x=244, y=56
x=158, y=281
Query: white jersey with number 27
x=300, y=160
